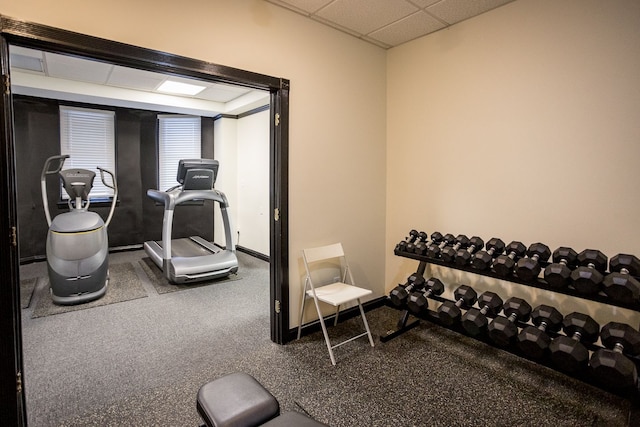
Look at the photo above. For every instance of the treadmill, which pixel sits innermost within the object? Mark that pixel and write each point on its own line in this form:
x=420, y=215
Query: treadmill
x=192, y=259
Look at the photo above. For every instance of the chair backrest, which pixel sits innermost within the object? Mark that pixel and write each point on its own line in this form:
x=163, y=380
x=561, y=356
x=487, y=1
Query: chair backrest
x=323, y=252
x=327, y=253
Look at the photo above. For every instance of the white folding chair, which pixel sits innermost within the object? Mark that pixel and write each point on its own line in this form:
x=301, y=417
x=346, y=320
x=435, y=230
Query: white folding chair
x=336, y=294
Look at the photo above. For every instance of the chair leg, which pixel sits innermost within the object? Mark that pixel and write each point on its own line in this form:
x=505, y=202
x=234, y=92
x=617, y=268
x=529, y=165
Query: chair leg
x=302, y=305
x=366, y=324
x=335, y=320
x=324, y=332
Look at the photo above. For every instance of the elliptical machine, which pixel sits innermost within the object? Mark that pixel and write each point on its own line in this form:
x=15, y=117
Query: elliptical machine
x=77, y=243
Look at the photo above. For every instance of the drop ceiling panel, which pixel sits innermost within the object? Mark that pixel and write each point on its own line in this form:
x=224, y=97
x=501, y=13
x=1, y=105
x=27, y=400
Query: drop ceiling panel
x=222, y=93
x=71, y=68
x=407, y=29
x=304, y=6
x=364, y=16
x=424, y=3
x=452, y=11
x=135, y=79
x=389, y=23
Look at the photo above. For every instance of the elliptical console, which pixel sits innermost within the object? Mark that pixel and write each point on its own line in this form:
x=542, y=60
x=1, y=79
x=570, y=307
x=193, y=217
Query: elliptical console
x=77, y=243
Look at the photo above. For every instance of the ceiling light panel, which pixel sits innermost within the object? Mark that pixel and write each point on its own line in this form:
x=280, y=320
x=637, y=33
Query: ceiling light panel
x=365, y=16
x=180, y=88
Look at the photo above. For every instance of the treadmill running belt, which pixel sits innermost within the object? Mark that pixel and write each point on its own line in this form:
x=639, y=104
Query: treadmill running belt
x=186, y=248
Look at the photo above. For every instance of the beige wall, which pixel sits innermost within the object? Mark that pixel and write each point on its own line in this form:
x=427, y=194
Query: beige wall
x=253, y=182
x=337, y=104
x=522, y=123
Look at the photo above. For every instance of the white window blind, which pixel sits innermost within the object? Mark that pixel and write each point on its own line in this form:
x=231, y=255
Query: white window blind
x=178, y=138
x=88, y=137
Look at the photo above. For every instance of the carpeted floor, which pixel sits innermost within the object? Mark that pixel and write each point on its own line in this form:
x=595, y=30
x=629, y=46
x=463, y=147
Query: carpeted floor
x=141, y=362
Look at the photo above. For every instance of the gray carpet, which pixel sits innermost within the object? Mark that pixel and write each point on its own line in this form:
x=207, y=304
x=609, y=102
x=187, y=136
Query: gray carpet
x=27, y=286
x=163, y=286
x=124, y=285
x=141, y=362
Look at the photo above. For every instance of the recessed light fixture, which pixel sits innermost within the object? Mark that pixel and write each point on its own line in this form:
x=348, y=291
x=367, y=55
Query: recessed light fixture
x=179, y=88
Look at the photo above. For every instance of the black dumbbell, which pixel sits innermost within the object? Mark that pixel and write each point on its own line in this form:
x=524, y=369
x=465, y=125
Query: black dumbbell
x=418, y=300
x=434, y=251
x=482, y=260
x=610, y=366
x=588, y=277
x=529, y=268
x=422, y=247
x=534, y=340
x=449, y=253
x=558, y=274
x=504, y=330
x=463, y=256
x=568, y=352
x=449, y=312
x=475, y=320
x=400, y=293
x=411, y=246
x=620, y=285
x=504, y=264
x=413, y=235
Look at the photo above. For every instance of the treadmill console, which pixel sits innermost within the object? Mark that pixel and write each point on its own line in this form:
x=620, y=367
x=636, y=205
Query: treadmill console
x=197, y=174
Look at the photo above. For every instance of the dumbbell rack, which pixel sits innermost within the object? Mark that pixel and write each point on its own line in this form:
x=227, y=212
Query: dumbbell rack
x=404, y=324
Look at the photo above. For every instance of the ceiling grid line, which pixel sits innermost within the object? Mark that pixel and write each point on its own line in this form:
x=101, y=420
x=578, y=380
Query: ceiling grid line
x=389, y=23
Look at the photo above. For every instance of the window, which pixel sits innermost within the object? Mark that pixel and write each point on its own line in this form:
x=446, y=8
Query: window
x=178, y=138
x=88, y=137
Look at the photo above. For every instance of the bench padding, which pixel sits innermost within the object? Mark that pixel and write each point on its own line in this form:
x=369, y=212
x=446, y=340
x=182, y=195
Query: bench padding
x=236, y=400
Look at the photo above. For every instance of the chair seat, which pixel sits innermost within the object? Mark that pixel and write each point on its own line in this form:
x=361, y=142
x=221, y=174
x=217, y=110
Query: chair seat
x=339, y=293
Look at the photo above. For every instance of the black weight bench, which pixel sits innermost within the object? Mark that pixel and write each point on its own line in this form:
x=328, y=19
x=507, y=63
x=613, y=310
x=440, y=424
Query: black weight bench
x=239, y=400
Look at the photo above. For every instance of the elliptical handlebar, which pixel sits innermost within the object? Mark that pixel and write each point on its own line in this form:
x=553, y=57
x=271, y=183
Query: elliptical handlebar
x=114, y=187
x=43, y=180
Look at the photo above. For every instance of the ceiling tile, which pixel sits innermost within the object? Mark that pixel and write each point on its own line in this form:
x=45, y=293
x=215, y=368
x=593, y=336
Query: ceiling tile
x=409, y=28
x=452, y=11
x=220, y=93
x=25, y=51
x=364, y=16
x=375, y=20
x=424, y=3
x=70, y=68
x=337, y=26
x=302, y=6
x=135, y=79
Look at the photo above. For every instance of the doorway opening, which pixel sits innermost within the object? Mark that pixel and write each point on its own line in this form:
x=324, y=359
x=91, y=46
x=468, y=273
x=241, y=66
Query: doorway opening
x=32, y=36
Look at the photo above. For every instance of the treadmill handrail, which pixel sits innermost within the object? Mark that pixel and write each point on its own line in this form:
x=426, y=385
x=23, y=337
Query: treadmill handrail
x=171, y=199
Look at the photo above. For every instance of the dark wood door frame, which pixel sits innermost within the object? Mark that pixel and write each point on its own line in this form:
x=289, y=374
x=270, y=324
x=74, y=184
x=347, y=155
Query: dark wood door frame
x=20, y=33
